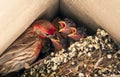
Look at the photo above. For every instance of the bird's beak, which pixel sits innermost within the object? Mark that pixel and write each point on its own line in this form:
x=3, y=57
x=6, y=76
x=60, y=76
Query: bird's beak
x=74, y=35
x=64, y=28
x=50, y=36
x=56, y=43
x=62, y=24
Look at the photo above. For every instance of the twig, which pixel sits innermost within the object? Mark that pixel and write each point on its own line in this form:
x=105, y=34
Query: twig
x=114, y=76
x=98, y=62
x=39, y=62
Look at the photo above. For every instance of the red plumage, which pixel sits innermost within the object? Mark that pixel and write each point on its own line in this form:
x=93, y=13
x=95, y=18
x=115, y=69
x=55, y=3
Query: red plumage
x=26, y=48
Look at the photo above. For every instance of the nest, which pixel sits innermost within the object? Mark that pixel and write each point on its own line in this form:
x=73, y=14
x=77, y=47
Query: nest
x=92, y=56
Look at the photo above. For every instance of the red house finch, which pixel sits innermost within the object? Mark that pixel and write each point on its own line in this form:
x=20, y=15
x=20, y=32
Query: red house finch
x=26, y=48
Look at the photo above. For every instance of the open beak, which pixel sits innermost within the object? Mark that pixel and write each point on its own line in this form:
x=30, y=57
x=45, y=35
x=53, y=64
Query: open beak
x=56, y=43
x=65, y=29
x=74, y=35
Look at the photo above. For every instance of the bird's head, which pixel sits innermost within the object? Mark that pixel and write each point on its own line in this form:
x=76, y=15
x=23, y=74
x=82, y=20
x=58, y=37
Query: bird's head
x=44, y=29
x=65, y=29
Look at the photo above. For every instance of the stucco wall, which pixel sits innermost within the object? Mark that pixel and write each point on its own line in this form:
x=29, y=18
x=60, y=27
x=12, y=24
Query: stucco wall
x=102, y=13
x=17, y=15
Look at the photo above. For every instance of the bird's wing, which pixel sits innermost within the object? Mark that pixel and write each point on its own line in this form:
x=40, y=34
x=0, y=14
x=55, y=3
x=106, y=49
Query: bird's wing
x=12, y=52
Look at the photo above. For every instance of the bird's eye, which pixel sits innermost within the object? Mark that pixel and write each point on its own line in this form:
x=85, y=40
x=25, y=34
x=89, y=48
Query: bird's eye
x=47, y=34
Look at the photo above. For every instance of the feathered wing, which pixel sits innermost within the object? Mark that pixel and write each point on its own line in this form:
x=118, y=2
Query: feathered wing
x=27, y=48
x=15, y=59
x=12, y=58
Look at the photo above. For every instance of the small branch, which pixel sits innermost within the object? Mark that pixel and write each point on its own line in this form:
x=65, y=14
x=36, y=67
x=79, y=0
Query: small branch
x=114, y=76
x=98, y=62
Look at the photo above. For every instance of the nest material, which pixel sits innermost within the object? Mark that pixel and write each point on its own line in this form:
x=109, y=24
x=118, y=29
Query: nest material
x=93, y=56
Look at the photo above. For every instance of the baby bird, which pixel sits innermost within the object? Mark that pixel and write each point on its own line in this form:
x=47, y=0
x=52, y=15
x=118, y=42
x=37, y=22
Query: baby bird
x=71, y=32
